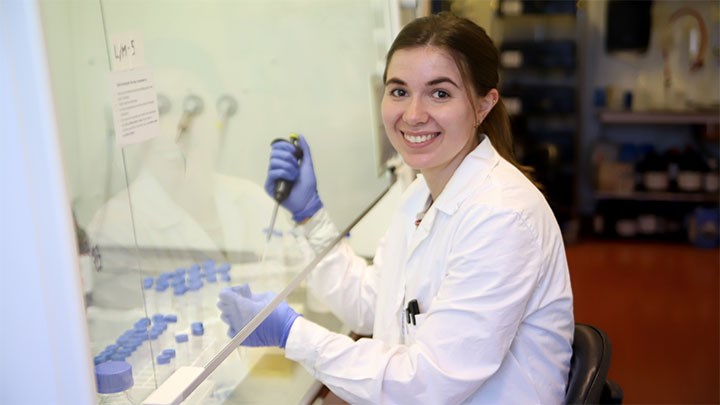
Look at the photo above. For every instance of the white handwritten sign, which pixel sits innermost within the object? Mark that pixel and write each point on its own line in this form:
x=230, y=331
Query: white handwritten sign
x=127, y=51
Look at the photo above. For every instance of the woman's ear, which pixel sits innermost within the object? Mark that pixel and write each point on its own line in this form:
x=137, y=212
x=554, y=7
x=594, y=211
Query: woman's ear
x=486, y=104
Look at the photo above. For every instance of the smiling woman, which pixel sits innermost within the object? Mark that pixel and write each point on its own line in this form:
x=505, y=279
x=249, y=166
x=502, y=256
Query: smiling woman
x=430, y=115
x=468, y=299
x=476, y=61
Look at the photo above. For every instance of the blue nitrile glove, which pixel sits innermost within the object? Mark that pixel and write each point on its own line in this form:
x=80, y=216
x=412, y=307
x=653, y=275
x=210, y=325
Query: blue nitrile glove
x=239, y=305
x=303, y=201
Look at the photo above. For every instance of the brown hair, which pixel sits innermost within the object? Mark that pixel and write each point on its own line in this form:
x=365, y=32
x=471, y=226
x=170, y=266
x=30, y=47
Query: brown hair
x=477, y=59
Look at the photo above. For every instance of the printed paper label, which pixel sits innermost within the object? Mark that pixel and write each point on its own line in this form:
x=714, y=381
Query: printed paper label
x=134, y=102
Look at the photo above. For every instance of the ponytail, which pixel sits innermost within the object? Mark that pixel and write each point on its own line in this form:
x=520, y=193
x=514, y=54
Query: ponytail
x=496, y=126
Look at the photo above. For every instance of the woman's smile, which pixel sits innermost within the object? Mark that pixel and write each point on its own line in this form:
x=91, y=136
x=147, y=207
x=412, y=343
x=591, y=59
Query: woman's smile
x=415, y=138
x=427, y=111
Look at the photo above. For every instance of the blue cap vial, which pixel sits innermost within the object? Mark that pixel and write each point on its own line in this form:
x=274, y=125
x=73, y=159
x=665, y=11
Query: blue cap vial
x=141, y=336
x=161, y=285
x=163, y=359
x=143, y=322
x=118, y=356
x=209, y=264
x=197, y=329
x=100, y=358
x=113, y=376
x=160, y=327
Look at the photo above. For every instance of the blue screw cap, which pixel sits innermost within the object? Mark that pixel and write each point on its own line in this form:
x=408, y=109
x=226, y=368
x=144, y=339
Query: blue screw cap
x=197, y=329
x=113, y=376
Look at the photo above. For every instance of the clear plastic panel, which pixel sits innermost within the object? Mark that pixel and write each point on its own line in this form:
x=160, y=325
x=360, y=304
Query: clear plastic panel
x=175, y=218
x=95, y=172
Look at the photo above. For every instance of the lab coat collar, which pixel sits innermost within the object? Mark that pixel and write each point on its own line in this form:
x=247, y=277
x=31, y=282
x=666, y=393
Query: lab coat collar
x=472, y=171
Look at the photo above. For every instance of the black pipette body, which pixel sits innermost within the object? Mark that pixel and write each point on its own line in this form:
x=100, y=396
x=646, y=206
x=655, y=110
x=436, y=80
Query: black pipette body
x=283, y=186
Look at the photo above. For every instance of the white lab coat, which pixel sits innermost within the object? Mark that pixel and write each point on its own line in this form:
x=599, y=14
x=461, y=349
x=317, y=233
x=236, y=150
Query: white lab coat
x=488, y=268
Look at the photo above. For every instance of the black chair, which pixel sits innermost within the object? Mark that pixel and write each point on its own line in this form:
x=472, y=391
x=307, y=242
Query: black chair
x=589, y=365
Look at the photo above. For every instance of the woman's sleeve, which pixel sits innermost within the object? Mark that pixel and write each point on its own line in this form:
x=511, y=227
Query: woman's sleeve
x=344, y=282
x=466, y=333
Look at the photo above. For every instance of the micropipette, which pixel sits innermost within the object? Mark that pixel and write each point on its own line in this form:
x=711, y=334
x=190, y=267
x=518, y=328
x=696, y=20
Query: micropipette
x=283, y=186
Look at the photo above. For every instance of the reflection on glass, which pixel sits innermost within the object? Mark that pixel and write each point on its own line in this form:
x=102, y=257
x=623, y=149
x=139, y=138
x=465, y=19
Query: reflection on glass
x=176, y=218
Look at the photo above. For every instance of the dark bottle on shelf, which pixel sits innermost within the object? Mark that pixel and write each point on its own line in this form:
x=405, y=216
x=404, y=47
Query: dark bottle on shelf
x=672, y=158
x=711, y=179
x=691, y=170
x=653, y=172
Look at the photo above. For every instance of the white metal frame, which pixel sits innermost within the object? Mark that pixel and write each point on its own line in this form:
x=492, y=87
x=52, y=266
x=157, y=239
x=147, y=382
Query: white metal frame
x=44, y=344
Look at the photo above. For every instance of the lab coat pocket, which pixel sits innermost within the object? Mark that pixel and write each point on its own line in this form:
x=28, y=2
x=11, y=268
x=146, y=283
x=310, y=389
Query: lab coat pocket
x=413, y=329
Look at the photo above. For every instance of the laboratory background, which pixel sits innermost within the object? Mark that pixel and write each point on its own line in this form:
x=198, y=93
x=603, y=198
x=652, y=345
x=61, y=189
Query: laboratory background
x=135, y=144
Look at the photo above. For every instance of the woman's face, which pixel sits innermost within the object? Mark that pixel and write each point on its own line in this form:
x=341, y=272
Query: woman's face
x=427, y=112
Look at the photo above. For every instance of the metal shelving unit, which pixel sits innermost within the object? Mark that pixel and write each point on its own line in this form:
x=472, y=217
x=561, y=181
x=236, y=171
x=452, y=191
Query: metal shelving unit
x=673, y=207
x=659, y=117
x=540, y=79
x=658, y=196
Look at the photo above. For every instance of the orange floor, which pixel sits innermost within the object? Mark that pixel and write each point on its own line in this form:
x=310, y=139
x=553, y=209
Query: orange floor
x=660, y=305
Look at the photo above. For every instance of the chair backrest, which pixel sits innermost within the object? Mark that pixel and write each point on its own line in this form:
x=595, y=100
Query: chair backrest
x=588, y=366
